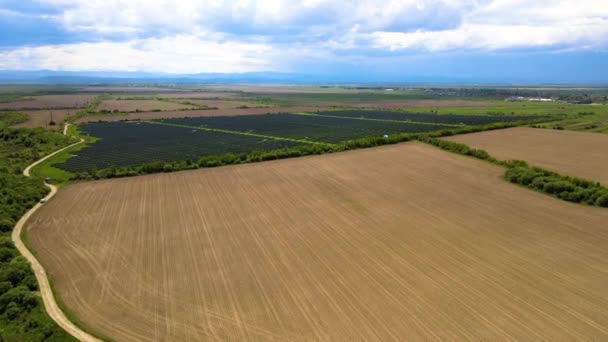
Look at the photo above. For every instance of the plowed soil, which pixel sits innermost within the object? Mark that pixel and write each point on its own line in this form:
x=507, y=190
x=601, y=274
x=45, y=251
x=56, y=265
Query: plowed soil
x=50, y=101
x=579, y=154
x=404, y=242
x=142, y=105
x=42, y=118
x=219, y=104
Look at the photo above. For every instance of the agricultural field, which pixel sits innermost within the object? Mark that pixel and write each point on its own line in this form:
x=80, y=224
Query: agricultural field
x=141, y=105
x=135, y=143
x=49, y=102
x=342, y=98
x=193, y=113
x=578, y=154
x=219, y=104
x=199, y=95
x=42, y=118
x=373, y=244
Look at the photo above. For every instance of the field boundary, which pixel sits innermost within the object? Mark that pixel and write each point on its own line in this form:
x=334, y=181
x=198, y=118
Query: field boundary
x=46, y=291
x=571, y=189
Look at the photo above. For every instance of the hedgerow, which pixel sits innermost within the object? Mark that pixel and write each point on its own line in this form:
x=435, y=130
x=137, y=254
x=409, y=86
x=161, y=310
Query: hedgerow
x=567, y=188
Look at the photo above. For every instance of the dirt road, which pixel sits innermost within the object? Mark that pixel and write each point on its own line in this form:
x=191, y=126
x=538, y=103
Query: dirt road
x=43, y=282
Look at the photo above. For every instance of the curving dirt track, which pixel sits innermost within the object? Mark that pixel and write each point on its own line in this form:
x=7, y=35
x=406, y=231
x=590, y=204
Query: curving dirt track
x=391, y=243
x=46, y=291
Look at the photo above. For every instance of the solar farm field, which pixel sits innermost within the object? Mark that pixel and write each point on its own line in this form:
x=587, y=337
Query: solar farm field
x=132, y=143
x=427, y=117
x=309, y=127
x=135, y=143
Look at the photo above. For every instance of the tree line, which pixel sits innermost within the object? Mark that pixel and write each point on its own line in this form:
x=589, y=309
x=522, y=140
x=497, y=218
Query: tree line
x=22, y=315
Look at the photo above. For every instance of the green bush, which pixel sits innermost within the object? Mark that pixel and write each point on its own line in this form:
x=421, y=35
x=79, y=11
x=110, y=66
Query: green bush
x=567, y=188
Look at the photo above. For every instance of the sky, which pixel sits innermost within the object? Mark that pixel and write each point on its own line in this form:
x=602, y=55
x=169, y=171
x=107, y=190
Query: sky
x=367, y=40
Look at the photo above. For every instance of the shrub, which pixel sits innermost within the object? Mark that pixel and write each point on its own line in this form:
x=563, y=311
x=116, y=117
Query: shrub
x=602, y=201
x=6, y=225
x=5, y=254
x=567, y=188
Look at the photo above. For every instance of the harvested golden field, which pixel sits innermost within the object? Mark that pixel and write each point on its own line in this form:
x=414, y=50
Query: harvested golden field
x=41, y=118
x=570, y=153
x=402, y=242
x=195, y=113
x=142, y=105
x=50, y=101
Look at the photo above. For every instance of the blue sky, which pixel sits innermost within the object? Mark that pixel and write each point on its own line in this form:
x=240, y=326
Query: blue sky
x=474, y=40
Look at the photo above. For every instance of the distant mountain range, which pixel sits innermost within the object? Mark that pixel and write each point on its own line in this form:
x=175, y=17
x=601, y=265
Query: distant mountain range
x=111, y=77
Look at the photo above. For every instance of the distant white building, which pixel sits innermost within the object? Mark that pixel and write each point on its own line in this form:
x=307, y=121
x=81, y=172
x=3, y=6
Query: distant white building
x=534, y=99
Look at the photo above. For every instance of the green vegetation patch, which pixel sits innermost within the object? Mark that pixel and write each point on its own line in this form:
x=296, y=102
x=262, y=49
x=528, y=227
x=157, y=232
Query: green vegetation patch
x=11, y=118
x=22, y=315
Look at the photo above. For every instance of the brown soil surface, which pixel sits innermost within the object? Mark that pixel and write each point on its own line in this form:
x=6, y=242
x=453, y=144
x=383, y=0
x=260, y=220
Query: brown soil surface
x=224, y=104
x=194, y=95
x=578, y=154
x=50, y=101
x=194, y=113
x=41, y=118
x=402, y=242
x=143, y=105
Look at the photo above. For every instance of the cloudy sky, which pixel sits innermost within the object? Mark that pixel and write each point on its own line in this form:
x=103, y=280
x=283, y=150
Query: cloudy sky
x=484, y=40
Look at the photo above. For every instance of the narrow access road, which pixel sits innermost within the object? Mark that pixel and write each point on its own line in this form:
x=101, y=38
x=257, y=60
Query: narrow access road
x=43, y=281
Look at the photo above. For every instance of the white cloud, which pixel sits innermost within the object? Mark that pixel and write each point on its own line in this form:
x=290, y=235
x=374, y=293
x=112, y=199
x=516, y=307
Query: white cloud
x=179, y=54
x=496, y=37
x=505, y=24
x=188, y=36
x=430, y=25
x=142, y=15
